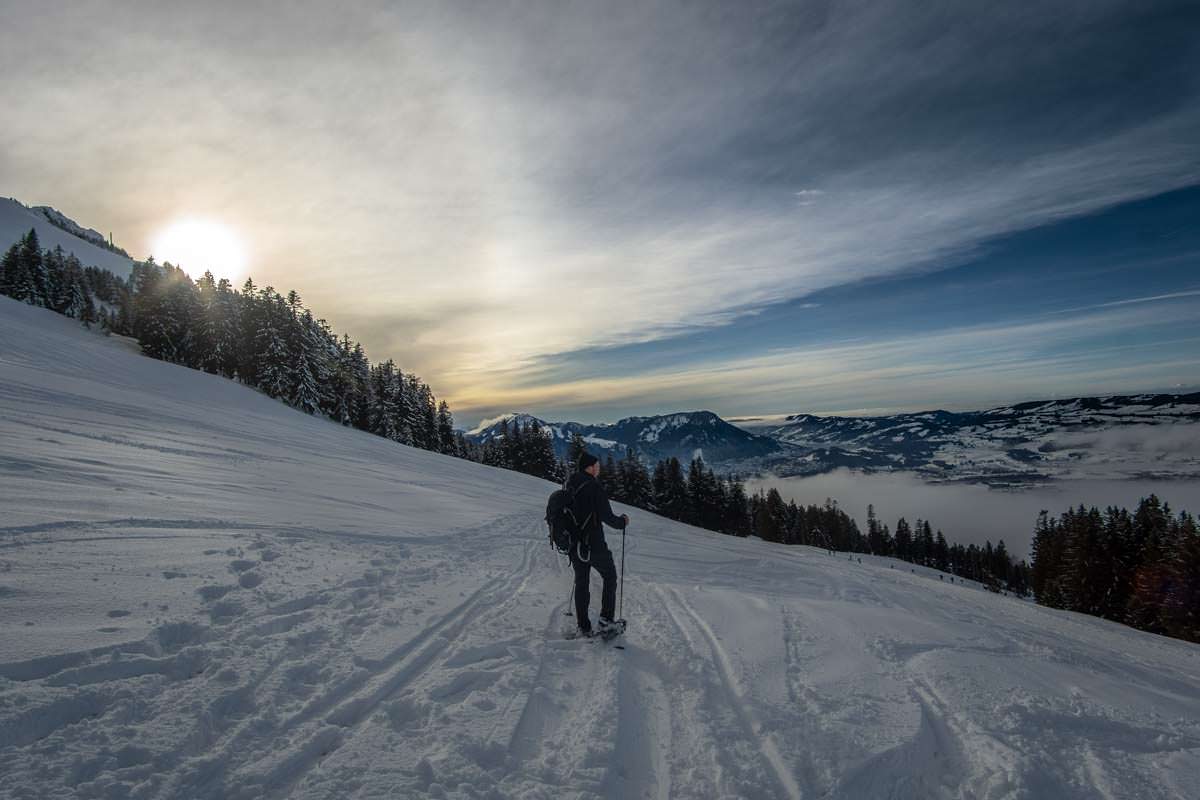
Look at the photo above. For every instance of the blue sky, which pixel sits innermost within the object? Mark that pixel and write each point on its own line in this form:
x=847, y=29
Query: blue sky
x=598, y=209
x=1108, y=302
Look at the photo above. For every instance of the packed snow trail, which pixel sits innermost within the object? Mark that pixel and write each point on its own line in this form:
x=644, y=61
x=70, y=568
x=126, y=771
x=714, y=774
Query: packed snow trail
x=205, y=594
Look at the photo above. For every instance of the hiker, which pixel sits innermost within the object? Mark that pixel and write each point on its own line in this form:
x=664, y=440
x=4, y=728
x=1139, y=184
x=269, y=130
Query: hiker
x=592, y=509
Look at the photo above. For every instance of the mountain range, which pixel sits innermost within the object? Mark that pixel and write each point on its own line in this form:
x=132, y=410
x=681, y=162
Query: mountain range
x=683, y=435
x=1136, y=436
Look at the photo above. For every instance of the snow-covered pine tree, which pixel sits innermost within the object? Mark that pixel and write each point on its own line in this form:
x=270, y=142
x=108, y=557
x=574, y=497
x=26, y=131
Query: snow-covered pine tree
x=208, y=357
x=904, y=540
x=275, y=365
x=8, y=270
x=18, y=280
x=57, y=290
x=77, y=299
x=429, y=419
x=360, y=371
x=702, y=498
x=251, y=309
x=445, y=425
x=610, y=479
x=1181, y=607
x=941, y=552
x=635, y=481
x=575, y=449
x=33, y=270
x=310, y=373
x=151, y=326
x=411, y=410
x=543, y=462
x=306, y=393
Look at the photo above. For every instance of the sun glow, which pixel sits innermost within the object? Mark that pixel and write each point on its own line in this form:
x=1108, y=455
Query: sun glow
x=198, y=245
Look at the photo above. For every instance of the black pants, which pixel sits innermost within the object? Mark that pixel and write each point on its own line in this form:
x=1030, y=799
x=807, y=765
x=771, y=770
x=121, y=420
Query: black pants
x=602, y=560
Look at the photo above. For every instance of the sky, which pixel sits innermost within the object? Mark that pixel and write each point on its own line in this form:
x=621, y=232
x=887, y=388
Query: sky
x=592, y=210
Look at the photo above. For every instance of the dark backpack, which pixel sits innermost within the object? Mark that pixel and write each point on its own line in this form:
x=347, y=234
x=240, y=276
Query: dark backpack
x=566, y=534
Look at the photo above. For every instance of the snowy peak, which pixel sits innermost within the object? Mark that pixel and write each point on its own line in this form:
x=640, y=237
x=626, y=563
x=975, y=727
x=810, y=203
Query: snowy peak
x=55, y=229
x=492, y=427
x=683, y=435
x=63, y=222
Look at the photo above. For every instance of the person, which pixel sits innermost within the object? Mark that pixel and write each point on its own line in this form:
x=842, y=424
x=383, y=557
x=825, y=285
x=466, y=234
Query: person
x=593, y=511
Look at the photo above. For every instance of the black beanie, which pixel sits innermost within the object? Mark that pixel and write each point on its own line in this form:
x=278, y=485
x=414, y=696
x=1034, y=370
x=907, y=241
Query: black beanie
x=586, y=460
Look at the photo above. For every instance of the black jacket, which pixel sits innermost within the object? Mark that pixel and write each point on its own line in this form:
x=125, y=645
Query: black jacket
x=591, y=507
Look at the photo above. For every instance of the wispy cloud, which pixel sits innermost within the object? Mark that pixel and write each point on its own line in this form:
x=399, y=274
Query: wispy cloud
x=1134, y=301
x=962, y=368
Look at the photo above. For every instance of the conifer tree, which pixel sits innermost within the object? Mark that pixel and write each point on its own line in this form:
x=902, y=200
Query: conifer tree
x=274, y=373
x=941, y=553
x=36, y=281
x=445, y=423
x=540, y=457
x=18, y=280
x=575, y=449
x=670, y=490
x=1181, y=606
x=635, y=482
x=904, y=541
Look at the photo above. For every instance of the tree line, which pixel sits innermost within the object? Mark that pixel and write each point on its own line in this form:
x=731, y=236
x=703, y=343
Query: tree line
x=257, y=336
x=1140, y=568
x=53, y=279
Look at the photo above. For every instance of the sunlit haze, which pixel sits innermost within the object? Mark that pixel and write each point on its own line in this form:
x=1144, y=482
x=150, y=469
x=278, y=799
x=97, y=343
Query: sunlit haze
x=199, y=245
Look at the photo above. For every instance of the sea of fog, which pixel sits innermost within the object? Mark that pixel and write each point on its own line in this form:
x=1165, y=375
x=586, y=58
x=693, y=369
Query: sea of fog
x=971, y=513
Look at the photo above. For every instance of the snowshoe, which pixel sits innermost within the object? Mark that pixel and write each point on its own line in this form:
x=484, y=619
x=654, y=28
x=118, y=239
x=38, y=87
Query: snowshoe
x=609, y=629
x=578, y=633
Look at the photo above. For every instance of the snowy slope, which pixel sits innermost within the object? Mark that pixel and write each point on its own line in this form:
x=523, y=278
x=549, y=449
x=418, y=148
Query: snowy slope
x=204, y=594
x=16, y=220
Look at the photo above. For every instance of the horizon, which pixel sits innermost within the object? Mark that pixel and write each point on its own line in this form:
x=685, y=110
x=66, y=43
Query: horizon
x=486, y=422
x=782, y=209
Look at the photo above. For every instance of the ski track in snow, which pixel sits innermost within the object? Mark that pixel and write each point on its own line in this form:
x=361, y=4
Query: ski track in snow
x=205, y=594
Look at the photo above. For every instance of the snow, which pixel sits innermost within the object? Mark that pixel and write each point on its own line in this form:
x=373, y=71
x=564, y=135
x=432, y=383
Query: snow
x=487, y=423
x=599, y=442
x=206, y=594
x=16, y=220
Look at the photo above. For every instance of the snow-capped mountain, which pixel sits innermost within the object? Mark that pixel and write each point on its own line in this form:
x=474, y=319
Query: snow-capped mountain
x=683, y=435
x=55, y=229
x=206, y=594
x=1118, y=436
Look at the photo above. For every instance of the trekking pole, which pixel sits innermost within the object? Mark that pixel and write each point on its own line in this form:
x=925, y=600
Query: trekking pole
x=621, y=604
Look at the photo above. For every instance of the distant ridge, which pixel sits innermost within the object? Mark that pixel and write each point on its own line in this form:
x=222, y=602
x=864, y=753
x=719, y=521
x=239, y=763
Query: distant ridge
x=1110, y=437
x=55, y=229
x=682, y=435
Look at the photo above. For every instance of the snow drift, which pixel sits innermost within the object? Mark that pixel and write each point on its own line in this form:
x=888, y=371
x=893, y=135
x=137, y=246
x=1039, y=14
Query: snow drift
x=206, y=594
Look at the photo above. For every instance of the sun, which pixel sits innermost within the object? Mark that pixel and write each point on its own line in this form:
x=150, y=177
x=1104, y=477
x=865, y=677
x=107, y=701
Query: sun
x=197, y=245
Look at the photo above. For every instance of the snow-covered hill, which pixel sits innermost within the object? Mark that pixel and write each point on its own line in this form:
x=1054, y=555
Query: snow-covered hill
x=1139, y=436
x=683, y=435
x=206, y=594
x=16, y=220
